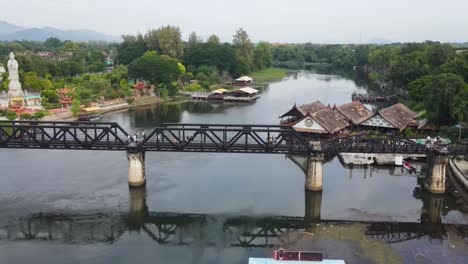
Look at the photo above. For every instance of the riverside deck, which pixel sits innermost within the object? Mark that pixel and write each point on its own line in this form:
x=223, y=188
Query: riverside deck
x=205, y=96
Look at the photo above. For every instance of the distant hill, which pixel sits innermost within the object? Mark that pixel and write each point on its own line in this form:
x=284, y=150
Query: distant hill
x=13, y=32
x=7, y=28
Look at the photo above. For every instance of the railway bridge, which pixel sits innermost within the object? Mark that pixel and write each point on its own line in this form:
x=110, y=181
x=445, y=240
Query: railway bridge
x=217, y=138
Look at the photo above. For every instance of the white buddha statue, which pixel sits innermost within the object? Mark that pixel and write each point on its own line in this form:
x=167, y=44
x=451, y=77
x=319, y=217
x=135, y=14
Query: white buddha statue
x=14, y=87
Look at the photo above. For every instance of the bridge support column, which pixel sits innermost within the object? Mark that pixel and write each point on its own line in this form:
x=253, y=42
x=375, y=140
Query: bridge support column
x=136, y=169
x=313, y=206
x=314, y=179
x=435, y=180
x=138, y=209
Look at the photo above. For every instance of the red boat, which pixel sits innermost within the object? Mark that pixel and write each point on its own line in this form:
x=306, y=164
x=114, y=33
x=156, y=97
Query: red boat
x=409, y=167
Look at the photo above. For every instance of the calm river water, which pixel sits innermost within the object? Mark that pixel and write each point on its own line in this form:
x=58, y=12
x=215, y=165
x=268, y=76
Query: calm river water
x=75, y=206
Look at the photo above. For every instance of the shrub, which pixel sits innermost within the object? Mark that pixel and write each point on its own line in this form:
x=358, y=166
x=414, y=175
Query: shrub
x=11, y=115
x=25, y=116
x=39, y=115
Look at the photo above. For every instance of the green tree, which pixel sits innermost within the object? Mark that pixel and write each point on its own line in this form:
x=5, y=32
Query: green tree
x=194, y=39
x=53, y=43
x=245, y=51
x=439, y=98
x=131, y=48
x=155, y=68
x=263, y=56
x=32, y=81
x=213, y=40
x=166, y=40
x=75, y=107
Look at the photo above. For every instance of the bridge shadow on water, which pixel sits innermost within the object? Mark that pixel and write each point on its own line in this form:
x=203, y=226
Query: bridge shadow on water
x=184, y=229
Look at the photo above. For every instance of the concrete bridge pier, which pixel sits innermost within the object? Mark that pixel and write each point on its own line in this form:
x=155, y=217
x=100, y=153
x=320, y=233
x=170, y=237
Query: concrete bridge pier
x=435, y=180
x=138, y=210
x=314, y=173
x=136, y=169
x=313, y=206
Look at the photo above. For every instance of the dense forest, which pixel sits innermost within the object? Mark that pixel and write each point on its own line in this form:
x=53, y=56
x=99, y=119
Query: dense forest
x=432, y=76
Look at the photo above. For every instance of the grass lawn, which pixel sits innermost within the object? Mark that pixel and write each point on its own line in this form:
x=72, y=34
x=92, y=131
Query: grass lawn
x=269, y=75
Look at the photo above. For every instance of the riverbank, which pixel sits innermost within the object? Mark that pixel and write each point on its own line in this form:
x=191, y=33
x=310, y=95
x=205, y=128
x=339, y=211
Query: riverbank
x=67, y=115
x=269, y=75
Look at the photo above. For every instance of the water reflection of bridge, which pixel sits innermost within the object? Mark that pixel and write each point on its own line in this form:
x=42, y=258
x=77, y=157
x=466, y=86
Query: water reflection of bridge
x=179, y=229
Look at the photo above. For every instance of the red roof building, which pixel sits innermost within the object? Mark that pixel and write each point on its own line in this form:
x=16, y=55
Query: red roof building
x=66, y=96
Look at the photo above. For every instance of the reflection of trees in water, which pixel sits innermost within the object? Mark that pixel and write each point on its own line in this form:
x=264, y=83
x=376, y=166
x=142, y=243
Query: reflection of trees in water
x=162, y=113
x=198, y=107
x=360, y=78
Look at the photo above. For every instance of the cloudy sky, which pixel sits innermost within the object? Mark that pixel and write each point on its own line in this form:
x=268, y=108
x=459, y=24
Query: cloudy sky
x=319, y=21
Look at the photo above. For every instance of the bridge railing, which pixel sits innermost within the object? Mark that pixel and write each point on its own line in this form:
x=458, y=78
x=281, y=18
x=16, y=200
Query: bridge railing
x=68, y=135
x=374, y=144
x=225, y=138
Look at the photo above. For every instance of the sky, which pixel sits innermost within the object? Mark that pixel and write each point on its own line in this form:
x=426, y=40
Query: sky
x=317, y=21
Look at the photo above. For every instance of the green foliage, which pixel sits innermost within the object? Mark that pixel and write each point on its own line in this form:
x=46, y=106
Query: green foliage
x=263, y=56
x=75, y=107
x=244, y=51
x=222, y=57
x=194, y=87
x=11, y=115
x=440, y=95
x=32, y=82
x=213, y=40
x=25, y=116
x=155, y=68
x=3, y=112
x=268, y=75
x=50, y=95
x=131, y=48
x=166, y=40
x=39, y=115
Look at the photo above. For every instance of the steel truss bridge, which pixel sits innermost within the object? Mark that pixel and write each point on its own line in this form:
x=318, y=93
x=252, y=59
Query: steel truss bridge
x=225, y=138
x=179, y=229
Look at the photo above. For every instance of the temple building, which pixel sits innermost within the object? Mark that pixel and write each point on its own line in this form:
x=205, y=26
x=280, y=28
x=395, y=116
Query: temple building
x=396, y=117
x=320, y=120
x=298, y=112
x=65, y=96
x=355, y=112
x=326, y=122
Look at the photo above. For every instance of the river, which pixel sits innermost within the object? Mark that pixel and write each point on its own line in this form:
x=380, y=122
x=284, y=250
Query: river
x=197, y=201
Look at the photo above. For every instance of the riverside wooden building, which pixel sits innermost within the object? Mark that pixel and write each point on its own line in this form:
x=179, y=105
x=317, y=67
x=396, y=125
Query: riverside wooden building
x=329, y=121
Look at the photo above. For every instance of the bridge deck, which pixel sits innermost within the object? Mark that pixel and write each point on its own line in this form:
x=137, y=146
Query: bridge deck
x=228, y=138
